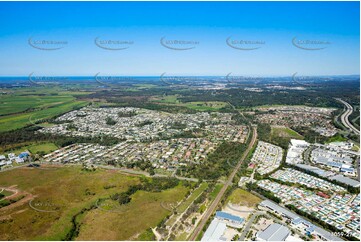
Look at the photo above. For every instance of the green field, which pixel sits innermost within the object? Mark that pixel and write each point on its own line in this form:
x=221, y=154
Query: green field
x=242, y=197
x=284, y=132
x=173, y=99
x=205, y=106
x=198, y=106
x=25, y=106
x=183, y=206
x=215, y=191
x=16, y=121
x=69, y=192
x=45, y=148
x=6, y=193
x=145, y=86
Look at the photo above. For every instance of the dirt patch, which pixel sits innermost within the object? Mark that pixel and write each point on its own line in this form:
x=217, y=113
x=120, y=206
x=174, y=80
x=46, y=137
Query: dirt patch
x=16, y=193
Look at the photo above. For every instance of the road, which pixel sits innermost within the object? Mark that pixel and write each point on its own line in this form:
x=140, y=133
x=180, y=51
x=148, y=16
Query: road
x=248, y=226
x=215, y=202
x=346, y=114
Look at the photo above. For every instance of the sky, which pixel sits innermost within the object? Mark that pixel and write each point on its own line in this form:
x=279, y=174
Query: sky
x=214, y=38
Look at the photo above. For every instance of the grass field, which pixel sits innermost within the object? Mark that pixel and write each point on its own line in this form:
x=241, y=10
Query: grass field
x=143, y=212
x=16, y=121
x=24, y=106
x=173, y=99
x=337, y=138
x=64, y=192
x=205, y=106
x=280, y=131
x=215, y=191
x=183, y=206
x=198, y=106
x=242, y=197
x=45, y=148
x=145, y=86
x=5, y=193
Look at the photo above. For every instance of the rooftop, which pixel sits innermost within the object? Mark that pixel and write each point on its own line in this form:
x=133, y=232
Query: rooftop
x=215, y=231
x=274, y=232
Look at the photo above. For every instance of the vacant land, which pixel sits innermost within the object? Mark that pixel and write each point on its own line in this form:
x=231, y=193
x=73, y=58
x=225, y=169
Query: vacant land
x=41, y=148
x=62, y=196
x=198, y=106
x=183, y=206
x=205, y=106
x=144, y=211
x=284, y=132
x=242, y=197
x=215, y=191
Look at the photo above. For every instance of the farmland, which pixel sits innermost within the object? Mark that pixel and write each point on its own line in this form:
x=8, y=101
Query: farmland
x=16, y=121
x=24, y=107
x=58, y=197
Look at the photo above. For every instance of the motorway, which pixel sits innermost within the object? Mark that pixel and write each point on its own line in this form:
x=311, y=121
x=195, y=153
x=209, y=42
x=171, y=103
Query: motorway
x=215, y=202
x=346, y=114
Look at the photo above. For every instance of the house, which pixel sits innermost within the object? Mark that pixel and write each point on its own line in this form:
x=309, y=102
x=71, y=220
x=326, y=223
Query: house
x=11, y=156
x=19, y=160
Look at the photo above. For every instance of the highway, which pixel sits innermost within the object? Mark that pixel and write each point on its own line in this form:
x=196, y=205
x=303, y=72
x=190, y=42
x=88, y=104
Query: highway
x=215, y=202
x=346, y=114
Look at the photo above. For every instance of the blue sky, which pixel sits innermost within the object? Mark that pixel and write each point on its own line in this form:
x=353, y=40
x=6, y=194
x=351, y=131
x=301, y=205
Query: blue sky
x=274, y=24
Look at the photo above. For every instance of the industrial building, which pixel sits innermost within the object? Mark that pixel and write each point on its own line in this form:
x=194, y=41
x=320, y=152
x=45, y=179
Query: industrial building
x=274, y=232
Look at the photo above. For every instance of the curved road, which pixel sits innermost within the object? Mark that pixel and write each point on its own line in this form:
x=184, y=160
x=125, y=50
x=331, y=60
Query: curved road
x=346, y=114
x=215, y=202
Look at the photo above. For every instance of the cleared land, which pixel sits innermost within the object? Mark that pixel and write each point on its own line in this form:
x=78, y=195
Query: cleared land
x=23, y=107
x=242, y=197
x=65, y=195
x=198, y=106
x=284, y=132
x=35, y=148
x=183, y=206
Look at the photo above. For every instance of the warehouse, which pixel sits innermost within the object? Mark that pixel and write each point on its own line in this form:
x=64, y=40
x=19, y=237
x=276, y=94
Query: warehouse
x=215, y=231
x=274, y=232
x=230, y=219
